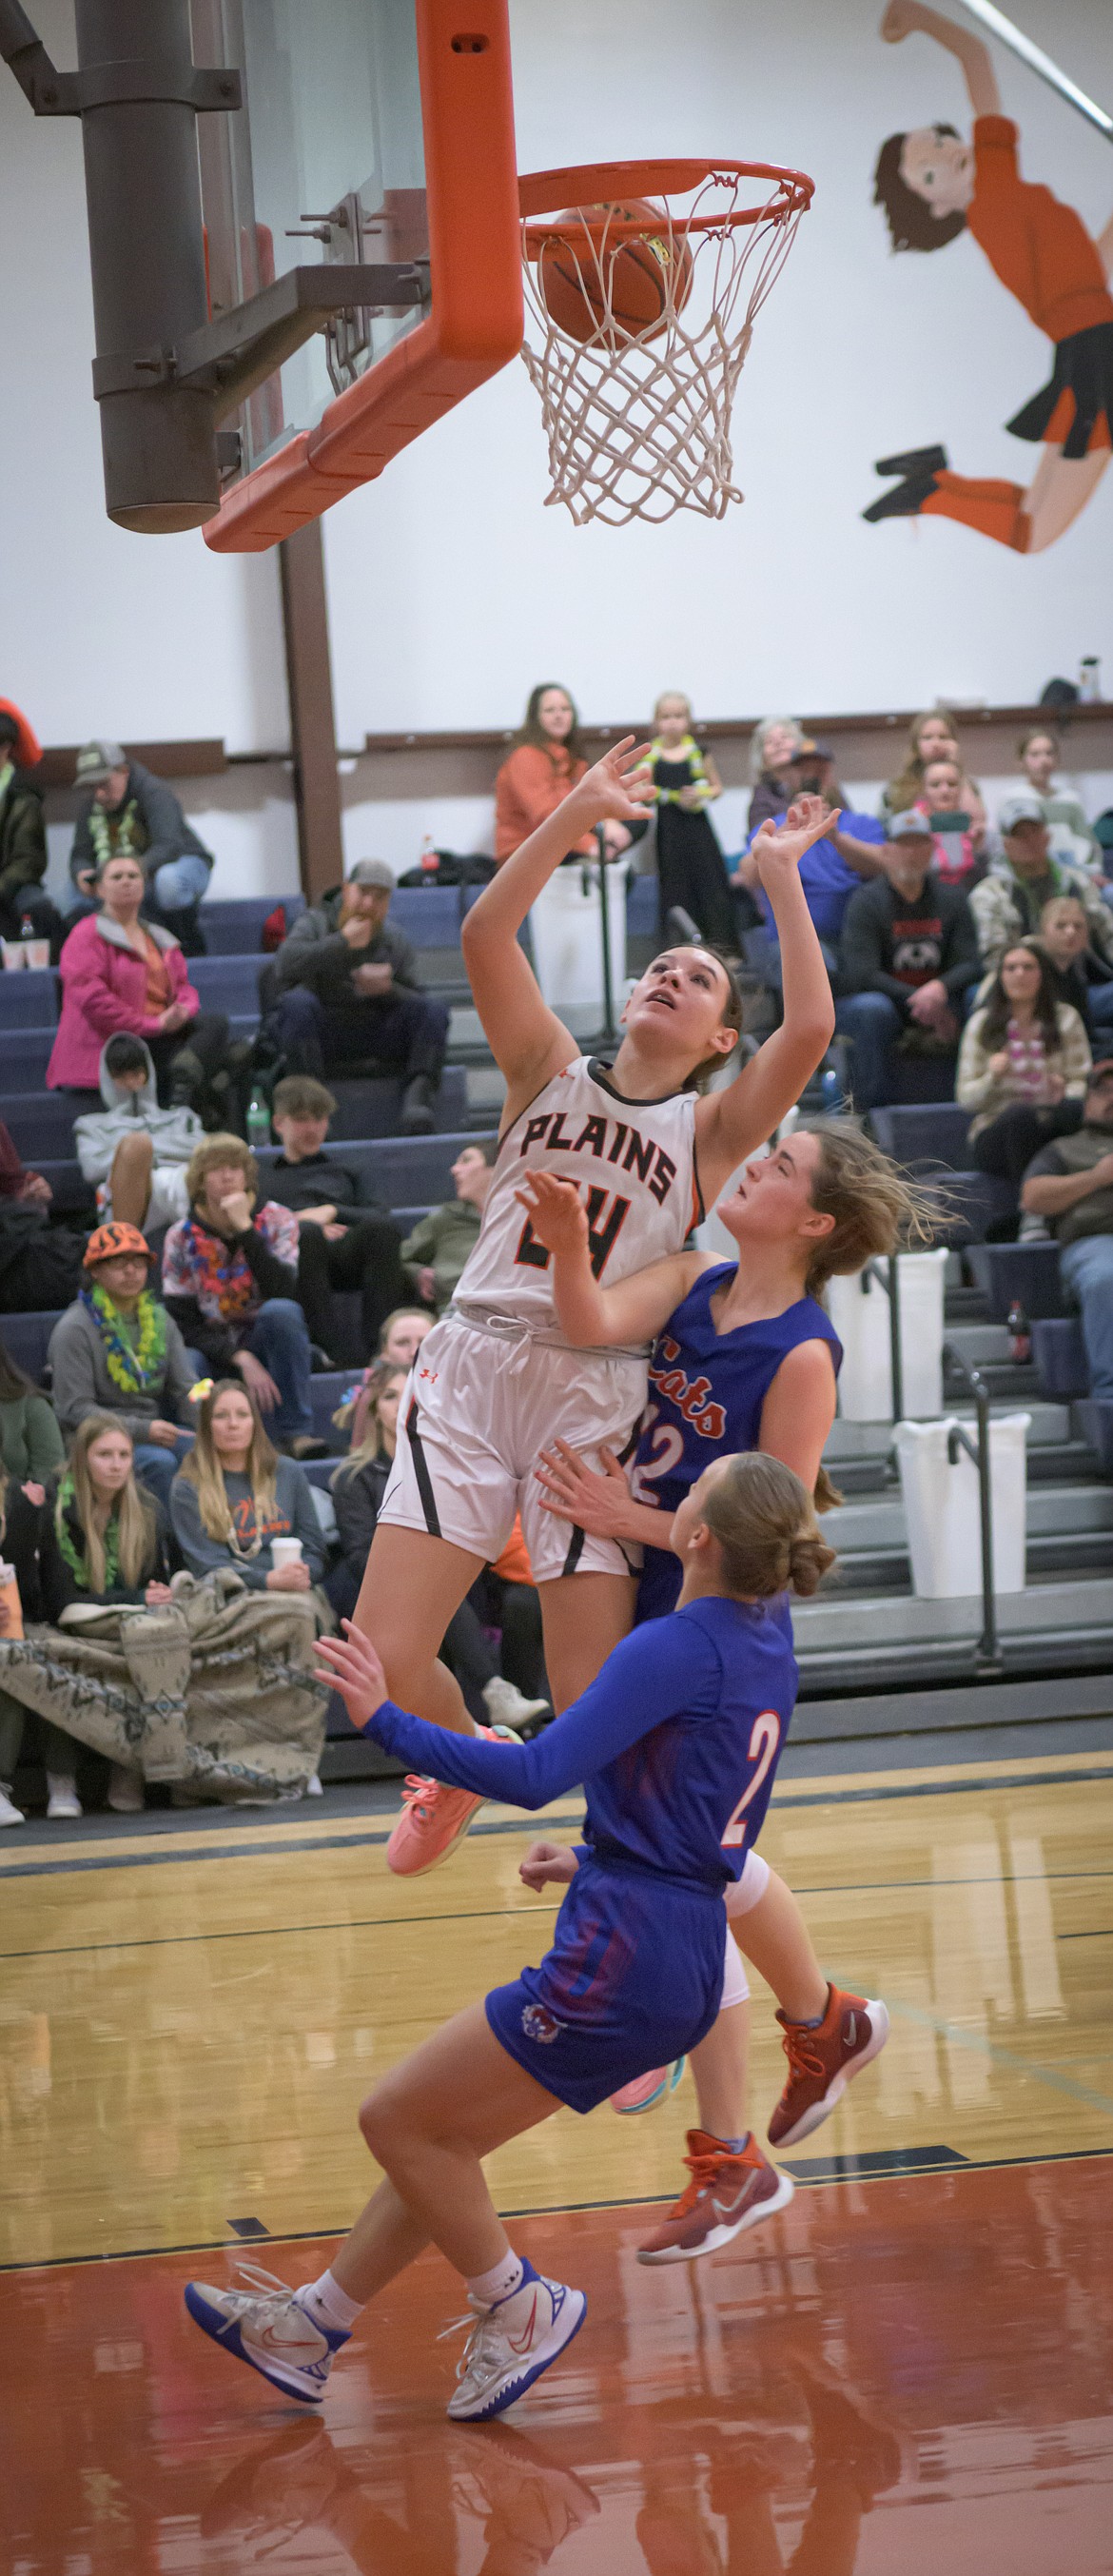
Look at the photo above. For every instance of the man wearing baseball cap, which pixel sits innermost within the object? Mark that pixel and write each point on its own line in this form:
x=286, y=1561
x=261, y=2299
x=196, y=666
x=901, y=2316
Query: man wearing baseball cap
x=1008, y=902
x=908, y=953
x=1070, y=1185
x=349, y=996
x=116, y=1350
x=125, y=808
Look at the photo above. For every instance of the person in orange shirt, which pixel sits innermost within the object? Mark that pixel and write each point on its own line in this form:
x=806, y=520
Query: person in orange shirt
x=933, y=186
x=546, y=763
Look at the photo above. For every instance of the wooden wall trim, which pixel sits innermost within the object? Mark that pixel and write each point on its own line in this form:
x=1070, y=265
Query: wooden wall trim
x=312, y=722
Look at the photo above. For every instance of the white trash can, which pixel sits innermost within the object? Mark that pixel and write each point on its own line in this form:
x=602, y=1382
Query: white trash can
x=859, y=1311
x=566, y=933
x=942, y=1507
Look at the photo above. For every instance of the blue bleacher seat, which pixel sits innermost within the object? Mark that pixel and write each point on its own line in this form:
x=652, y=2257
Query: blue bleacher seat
x=926, y=1133
x=641, y=908
x=25, y=1339
x=40, y=1123
x=1025, y=1274
x=24, y=1056
x=1060, y=1356
x=233, y=928
x=228, y=983
x=29, y=998
x=430, y=916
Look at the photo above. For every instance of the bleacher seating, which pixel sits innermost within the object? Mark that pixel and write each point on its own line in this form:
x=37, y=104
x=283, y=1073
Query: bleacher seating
x=1023, y=1274
x=931, y=1137
x=1059, y=1353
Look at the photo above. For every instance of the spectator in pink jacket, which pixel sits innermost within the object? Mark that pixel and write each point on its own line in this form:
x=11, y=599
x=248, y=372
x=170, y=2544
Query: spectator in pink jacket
x=122, y=973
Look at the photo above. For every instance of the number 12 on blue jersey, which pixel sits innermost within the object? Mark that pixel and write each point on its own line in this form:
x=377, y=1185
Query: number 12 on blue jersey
x=765, y=1737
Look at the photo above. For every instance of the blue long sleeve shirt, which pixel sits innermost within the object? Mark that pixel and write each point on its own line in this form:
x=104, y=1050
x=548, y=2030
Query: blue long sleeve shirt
x=676, y=1741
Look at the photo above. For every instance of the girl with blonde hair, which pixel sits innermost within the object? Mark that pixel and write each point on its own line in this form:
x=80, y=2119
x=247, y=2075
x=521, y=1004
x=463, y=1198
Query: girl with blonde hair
x=234, y=1495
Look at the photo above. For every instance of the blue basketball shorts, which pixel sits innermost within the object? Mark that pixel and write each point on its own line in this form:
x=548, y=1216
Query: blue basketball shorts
x=634, y=1978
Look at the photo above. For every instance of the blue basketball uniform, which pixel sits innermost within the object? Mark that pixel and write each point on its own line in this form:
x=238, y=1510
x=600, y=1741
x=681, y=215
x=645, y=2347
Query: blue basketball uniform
x=706, y=1391
x=677, y=1743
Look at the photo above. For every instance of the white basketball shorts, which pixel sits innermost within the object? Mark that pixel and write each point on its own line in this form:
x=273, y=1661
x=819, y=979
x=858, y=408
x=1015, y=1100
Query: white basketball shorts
x=479, y=1406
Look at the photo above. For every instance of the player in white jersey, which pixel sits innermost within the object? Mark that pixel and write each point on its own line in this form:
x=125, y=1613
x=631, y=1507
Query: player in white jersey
x=495, y=1382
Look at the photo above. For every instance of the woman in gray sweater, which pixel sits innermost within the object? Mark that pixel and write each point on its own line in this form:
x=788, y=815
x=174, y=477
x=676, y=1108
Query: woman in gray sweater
x=234, y=1496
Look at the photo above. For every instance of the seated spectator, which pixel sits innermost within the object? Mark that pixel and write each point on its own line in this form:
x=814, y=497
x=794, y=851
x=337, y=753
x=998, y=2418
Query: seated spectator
x=1077, y=972
x=348, y=1241
x=31, y=1444
x=931, y=736
x=234, y=1496
x=358, y=1487
x=1010, y=900
x=774, y=745
x=23, y=852
x=40, y=1262
x=102, y=1542
x=120, y=973
x=229, y=1276
x=21, y=1508
x=349, y=995
x=1072, y=841
x=908, y=954
x=116, y=1352
x=135, y=1152
x=400, y=1340
x=958, y=835
x=440, y=1244
x=1069, y=1184
x=126, y=809
x=1023, y=1066
x=834, y=867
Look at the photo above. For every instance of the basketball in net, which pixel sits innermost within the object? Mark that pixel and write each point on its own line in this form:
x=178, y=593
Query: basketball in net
x=639, y=317
x=617, y=283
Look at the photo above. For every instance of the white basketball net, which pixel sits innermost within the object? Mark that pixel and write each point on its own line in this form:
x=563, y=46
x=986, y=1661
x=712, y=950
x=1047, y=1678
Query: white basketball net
x=638, y=422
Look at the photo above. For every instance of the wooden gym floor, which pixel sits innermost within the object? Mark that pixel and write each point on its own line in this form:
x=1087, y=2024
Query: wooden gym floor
x=909, y=2369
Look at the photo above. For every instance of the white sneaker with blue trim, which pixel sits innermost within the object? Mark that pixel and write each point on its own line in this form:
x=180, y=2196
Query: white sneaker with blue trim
x=511, y=2343
x=268, y=2327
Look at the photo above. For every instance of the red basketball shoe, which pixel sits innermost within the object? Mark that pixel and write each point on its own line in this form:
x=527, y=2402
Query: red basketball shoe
x=821, y=2062
x=726, y=2194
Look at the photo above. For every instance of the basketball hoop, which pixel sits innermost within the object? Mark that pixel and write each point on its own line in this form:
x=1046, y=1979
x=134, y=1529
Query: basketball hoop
x=637, y=410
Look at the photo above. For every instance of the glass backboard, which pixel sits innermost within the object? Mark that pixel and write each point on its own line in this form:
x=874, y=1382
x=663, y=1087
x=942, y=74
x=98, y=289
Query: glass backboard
x=372, y=132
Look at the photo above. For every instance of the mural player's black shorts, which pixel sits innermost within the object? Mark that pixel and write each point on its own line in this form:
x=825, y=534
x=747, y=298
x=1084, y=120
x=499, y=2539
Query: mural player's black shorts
x=1083, y=367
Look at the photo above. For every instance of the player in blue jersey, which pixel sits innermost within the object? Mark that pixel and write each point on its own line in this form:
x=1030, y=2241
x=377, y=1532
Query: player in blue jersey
x=677, y=1742
x=745, y=1358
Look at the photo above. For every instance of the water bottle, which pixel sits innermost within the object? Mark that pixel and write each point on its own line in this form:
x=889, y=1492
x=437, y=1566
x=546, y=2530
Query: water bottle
x=258, y=1119
x=830, y=1091
x=429, y=863
x=1089, y=680
x=1019, y=1332
x=26, y=927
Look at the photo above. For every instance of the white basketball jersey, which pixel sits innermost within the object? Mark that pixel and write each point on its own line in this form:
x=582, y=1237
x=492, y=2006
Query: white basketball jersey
x=634, y=1164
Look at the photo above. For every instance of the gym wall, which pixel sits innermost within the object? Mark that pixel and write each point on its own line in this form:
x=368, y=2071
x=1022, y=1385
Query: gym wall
x=452, y=588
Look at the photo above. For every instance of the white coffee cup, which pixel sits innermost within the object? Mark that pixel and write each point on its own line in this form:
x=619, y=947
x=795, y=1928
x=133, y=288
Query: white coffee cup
x=38, y=952
x=286, y=1551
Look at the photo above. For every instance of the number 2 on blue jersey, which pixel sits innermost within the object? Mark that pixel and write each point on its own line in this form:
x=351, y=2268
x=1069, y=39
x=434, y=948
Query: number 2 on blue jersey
x=765, y=1736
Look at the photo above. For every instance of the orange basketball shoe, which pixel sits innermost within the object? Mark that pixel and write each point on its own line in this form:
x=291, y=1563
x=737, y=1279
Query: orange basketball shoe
x=822, y=2062
x=726, y=2194
x=434, y=1819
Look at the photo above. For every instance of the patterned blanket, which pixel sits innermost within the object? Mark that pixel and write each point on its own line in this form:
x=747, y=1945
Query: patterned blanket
x=215, y=1692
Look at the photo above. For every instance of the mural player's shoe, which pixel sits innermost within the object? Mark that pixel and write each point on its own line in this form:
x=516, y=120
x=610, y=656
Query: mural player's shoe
x=822, y=2062
x=726, y=2194
x=917, y=470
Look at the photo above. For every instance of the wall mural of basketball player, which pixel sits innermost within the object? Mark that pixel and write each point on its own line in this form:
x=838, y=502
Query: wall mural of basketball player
x=933, y=185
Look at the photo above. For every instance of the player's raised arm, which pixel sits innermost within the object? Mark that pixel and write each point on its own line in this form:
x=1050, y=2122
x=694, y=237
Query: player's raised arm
x=731, y=1124
x=526, y=1038
x=910, y=18
x=593, y=1317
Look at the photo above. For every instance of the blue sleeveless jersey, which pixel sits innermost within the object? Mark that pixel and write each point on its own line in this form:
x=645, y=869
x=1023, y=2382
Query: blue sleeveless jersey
x=706, y=1391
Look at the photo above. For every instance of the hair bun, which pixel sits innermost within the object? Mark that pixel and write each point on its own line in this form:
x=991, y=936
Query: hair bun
x=808, y=1560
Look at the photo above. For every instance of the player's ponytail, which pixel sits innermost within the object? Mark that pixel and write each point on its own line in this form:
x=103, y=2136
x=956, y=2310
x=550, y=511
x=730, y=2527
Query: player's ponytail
x=765, y=1524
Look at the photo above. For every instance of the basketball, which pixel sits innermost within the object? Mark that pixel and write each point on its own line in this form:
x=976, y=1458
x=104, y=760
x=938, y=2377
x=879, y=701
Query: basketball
x=596, y=277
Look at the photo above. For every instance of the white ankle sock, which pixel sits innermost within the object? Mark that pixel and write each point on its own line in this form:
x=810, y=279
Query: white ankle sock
x=500, y=2282
x=329, y=2305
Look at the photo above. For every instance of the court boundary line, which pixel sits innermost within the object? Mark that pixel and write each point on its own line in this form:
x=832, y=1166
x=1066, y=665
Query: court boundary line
x=12, y=1867
x=562, y=2209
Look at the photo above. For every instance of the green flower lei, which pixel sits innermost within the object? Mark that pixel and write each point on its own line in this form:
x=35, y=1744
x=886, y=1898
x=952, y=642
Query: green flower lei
x=136, y=1368
x=111, y=834
x=77, y=1563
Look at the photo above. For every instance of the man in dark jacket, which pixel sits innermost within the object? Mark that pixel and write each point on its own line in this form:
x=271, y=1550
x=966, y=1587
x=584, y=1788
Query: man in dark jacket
x=908, y=953
x=349, y=995
x=125, y=807
x=348, y=1240
x=22, y=834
